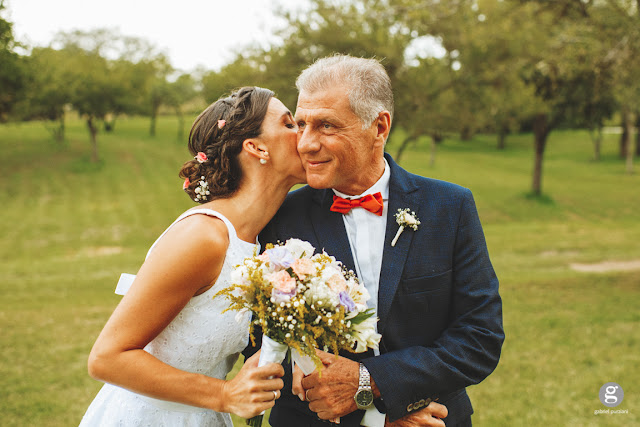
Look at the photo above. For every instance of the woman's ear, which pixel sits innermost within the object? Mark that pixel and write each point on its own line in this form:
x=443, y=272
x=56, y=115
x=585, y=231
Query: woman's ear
x=255, y=149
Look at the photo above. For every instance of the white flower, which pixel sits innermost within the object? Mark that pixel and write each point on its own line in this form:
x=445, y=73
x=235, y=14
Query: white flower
x=239, y=275
x=410, y=219
x=404, y=220
x=365, y=335
x=299, y=248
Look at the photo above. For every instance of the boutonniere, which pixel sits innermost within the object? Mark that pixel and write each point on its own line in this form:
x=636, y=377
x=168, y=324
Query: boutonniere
x=405, y=220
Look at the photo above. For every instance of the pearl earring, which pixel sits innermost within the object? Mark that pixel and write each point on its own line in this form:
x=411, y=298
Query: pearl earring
x=264, y=161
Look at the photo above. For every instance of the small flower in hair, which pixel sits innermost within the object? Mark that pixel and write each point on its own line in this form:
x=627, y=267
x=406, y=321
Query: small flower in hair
x=186, y=184
x=201, y=157
x=202, y=191
x=221, y=123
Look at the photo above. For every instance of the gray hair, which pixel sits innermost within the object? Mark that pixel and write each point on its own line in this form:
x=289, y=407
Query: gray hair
x=369, y=85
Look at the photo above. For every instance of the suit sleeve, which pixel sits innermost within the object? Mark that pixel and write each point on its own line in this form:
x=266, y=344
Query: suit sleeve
x=468, y=349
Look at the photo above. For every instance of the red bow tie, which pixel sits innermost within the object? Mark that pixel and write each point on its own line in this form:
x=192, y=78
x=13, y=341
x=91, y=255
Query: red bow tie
x=371, y=202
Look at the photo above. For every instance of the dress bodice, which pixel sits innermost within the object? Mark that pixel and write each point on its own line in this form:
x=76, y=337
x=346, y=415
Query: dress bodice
x=201, y=338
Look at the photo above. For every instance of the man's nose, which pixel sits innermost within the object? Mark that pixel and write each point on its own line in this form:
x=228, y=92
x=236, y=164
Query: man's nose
x=307, y=142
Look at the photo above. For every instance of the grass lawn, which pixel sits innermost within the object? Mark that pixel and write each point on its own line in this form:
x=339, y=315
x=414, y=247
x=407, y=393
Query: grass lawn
x=69, y=228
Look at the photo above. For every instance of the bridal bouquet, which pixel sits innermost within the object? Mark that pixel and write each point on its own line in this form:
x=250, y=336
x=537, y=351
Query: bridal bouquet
x=302, y=301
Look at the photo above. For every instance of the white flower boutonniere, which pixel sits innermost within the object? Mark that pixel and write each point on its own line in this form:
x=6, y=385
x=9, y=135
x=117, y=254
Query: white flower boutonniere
x=404, y=220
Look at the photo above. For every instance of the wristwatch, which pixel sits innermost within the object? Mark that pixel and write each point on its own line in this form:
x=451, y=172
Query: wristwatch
x=364, y=395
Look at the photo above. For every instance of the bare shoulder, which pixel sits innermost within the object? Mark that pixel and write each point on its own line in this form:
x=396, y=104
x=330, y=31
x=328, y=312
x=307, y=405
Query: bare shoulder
x=203, y=234
x=190, y=255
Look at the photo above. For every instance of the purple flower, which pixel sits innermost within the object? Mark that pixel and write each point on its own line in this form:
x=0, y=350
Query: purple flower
x=279, y=296
x=346, y=301
x=280, y=257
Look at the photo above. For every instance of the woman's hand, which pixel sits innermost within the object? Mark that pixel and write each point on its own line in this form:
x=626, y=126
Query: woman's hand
x=254, y=389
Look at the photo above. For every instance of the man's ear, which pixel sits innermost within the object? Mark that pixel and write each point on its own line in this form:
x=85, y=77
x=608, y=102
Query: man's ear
x=383, y=127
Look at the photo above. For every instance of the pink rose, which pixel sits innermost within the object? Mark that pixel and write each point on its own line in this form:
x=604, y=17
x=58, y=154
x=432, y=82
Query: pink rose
x=201, y=157
x=263, y=257
x=302, y=267
x=337, y=283
x=221, y=123
x=283, y=282
x=186, y=184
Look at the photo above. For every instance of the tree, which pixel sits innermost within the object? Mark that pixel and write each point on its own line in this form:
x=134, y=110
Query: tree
x=181, y=91
x=95, y=93
x=563, y=69
x=425, y=97
x=12, y=77
x=49, y=91
x=138, y=69
x=618, y=26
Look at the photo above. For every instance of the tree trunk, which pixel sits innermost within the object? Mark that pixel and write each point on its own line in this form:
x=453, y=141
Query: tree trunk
x=596, y=137
x=623, y=139
x=61, y=129
x=93, y=130
x=541, y=131
x=434, y=144
x=629, y=146
x=502, y=138
x=56, y=129
x=403, y=146
x=466, y=134
x=152, y=126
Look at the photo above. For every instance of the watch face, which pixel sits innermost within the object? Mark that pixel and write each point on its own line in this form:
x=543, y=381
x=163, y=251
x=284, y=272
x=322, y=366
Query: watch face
x=364, y=398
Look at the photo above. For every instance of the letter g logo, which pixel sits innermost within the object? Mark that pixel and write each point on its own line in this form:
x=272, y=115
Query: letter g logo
x=611, y=394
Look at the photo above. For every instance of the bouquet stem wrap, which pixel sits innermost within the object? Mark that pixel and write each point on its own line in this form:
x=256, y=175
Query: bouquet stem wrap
x=273, y=352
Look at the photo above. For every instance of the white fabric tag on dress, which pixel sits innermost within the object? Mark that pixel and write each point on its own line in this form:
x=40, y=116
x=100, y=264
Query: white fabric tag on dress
x=125, y=282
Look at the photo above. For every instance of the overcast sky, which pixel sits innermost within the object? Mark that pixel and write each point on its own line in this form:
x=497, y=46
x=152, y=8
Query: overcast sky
x=190, y=32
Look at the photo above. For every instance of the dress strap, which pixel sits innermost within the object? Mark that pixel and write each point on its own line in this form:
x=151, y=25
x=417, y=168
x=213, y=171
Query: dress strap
x=202, y=211
x=126, y=280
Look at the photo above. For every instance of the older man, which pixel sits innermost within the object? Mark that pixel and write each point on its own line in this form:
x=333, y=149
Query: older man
x=434, y=289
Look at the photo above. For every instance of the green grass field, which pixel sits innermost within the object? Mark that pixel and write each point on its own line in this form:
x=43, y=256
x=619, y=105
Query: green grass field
x=69, y=228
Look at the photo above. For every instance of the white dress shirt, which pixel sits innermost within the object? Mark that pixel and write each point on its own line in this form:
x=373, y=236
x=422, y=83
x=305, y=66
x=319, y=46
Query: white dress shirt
x=366, y=232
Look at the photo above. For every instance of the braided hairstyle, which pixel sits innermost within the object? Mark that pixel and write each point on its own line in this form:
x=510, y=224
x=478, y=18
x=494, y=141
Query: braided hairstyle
x=243, y=113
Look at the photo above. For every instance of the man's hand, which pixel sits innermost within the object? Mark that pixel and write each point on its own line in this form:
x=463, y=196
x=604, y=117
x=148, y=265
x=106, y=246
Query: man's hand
x=429, y=416
x=330, y=395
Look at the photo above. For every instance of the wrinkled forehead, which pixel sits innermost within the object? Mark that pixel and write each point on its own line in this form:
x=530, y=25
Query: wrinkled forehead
x=326, y=101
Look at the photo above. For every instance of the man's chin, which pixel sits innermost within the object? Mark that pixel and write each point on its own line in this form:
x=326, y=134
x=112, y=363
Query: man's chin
x=318, y=182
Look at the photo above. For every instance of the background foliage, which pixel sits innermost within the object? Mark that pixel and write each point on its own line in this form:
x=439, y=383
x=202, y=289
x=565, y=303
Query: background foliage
x=487, y=92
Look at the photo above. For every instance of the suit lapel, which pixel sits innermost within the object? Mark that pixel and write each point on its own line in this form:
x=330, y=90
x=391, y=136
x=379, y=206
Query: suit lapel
x=401, y=195
x=330, y=230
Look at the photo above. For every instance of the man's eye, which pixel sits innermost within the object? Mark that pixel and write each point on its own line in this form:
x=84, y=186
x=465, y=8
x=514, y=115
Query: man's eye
x=327, y=125
x=290, y=125
x=301, y=125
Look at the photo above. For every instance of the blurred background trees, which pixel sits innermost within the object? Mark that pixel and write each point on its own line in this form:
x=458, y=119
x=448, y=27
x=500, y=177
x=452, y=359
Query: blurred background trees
x=459, y=67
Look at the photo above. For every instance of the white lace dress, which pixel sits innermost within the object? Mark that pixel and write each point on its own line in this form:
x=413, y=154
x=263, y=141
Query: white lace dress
x=201, y=339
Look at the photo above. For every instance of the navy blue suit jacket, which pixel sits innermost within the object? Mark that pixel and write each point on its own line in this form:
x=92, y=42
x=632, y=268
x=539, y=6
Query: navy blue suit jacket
x=438, y=303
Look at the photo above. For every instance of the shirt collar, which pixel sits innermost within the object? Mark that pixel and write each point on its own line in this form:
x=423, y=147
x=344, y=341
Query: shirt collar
x=381, y=185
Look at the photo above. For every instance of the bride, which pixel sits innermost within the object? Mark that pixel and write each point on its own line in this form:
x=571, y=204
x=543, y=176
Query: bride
x=167, y=348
